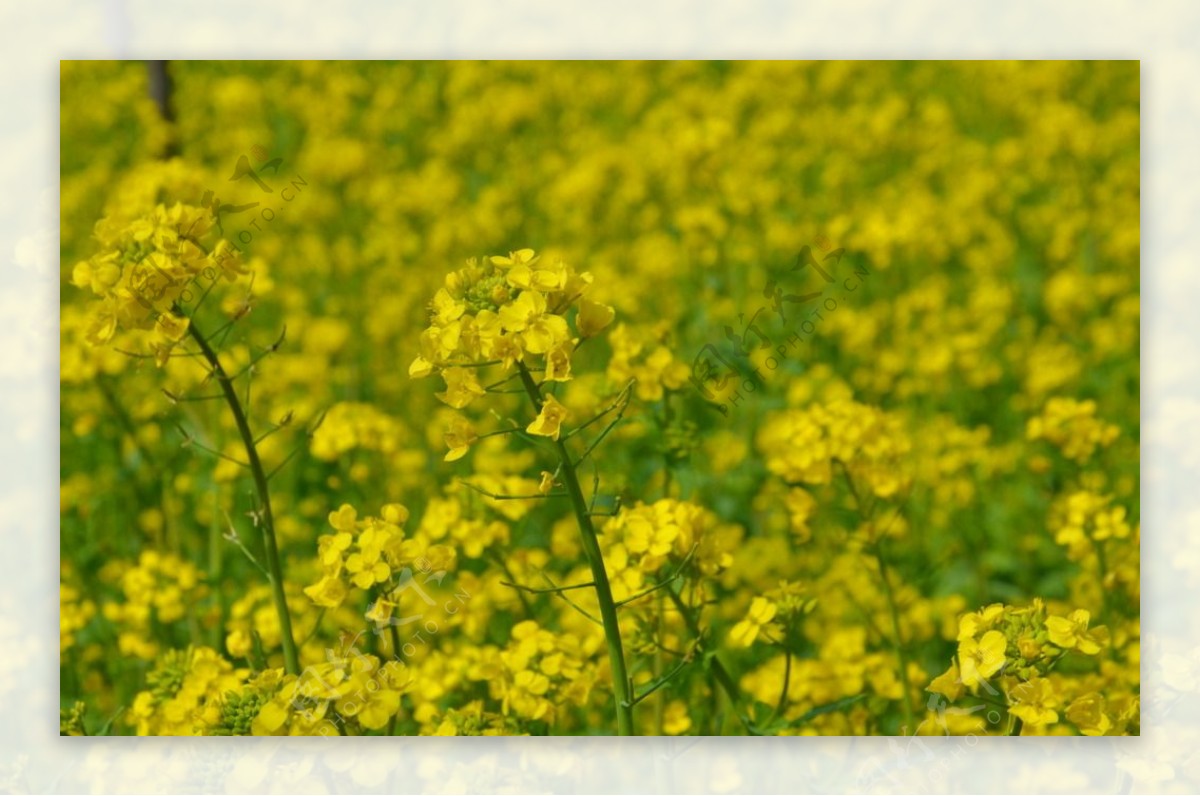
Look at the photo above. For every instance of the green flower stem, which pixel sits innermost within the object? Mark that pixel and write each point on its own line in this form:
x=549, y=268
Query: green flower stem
x=271, y=548
x=719, y=673
x=901, y=654
x=868, y=515
x=591, y=548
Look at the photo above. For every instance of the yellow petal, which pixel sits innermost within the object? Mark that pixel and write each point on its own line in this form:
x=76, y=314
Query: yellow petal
x=593, y=317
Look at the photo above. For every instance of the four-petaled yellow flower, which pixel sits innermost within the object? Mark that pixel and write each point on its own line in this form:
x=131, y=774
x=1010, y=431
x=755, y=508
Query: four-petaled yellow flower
x=761, y=612
x=949, y=683
x=593, y=317
x=1072, y=632
x=983, y=619
x=549, y=420
x=1033, y=702
x=462, y=387
x=1087, y=713
x=459, y=437
x=979, y=660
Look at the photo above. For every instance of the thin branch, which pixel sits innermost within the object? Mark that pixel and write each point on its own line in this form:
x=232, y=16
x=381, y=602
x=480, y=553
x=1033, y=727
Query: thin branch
x=664, y=583
x=555, y=590
x=190, y=441
x=621, y=399
x=316, y=626
x=308, y=434
x=660, y=682
x=232, y=536
x=494, y=496
x=561, y=595
x=183, y=399
x=600, y=437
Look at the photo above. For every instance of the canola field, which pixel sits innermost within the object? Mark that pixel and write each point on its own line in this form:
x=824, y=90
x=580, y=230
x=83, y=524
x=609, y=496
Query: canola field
x=639, y=398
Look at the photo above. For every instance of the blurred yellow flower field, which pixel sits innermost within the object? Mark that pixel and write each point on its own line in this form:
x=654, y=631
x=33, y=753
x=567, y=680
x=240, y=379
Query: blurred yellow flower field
x=639, y=398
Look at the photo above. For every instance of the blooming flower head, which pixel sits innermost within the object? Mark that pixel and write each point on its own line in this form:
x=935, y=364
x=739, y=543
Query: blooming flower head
x=374, y=552
x=152, y=253
x=505, y=310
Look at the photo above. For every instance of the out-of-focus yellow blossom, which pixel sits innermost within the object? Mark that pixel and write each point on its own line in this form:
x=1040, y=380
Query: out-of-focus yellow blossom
x=642, y=354
x=676, y=720
x=1073, y=427
x=807, y=446
x=1082, y=519
x=74, y=613
x=459, y=437
x=160, y=588
x=447, y=518
x=1087, y=713
x=761, y=612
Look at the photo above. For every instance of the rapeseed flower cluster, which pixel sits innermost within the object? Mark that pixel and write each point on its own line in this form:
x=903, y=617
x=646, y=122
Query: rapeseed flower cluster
x=388, y=399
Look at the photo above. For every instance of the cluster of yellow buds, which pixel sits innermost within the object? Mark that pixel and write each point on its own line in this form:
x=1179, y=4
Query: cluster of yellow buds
x=184, y=695
x=1018, y=649
x=1023, y=642
x=70, y=720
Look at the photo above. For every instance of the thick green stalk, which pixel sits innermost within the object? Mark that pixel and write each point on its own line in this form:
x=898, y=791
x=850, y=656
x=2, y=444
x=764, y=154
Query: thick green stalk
x=591, y=548
x=271, y=548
